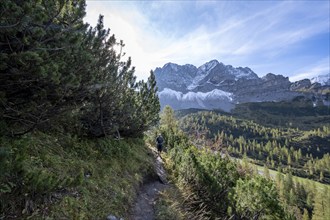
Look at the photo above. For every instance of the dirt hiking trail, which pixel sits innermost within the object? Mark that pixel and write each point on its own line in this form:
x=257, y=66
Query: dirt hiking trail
x=143, y=208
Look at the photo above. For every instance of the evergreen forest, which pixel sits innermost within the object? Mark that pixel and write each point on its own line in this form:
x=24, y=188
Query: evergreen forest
x=232, y=168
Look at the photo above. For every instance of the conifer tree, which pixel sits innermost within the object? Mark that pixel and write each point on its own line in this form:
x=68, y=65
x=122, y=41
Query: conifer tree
x=167, y=119
x=56, y=70
x=266, y=172
x=149, y=104
x=42, y=62
x=321, y=176
x=104, y=95
x=257, y=198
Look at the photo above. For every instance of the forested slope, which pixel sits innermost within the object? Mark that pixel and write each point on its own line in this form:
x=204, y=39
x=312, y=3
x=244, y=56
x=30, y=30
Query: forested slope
x=304, y=153
x=215, y=186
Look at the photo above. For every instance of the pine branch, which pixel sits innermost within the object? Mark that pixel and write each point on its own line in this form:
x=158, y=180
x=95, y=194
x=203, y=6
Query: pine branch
x=10, y=25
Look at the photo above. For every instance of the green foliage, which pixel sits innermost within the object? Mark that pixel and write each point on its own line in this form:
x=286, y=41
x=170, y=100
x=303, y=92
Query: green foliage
x=147, y=104
x=167, y=120
x=288, y=148
x=169, y=128
x=210, y=177
x=58, y=73
x=322, y=205
x=62, y=80
x=205, y=176
x=41, y=60
x=257, y=198
x=305, y=215
x=66, y=176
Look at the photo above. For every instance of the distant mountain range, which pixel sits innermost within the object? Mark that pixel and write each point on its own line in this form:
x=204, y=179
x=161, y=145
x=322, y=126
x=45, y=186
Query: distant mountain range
x=217, y=86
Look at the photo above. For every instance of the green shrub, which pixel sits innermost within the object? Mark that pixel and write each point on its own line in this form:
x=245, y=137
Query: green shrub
x=257, y=198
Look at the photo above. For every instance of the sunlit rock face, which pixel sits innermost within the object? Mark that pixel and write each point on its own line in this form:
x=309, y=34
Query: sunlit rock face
x=215, y=85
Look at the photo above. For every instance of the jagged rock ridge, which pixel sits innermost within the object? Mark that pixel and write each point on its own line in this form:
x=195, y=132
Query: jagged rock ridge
x=215, y=85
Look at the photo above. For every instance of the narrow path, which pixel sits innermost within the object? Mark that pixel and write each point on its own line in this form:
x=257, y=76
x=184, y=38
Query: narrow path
x=145, y=202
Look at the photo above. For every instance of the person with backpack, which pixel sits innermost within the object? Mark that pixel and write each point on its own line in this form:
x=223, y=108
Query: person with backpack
x=159, y=141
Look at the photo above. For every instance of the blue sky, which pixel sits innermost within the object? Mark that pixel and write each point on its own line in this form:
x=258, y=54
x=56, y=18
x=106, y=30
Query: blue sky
x=282, y=37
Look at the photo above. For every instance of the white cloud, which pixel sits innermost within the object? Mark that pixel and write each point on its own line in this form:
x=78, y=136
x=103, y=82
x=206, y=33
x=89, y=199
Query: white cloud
x=320, y=68
x=266, y=31
x=130, y=26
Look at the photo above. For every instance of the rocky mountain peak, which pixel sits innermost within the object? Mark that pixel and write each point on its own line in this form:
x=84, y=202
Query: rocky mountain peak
x=272, y=76
x=175, y=76
x=171, y=67
x=209, y=66
x=322, y=79
x=301, y=84
x=216, y=85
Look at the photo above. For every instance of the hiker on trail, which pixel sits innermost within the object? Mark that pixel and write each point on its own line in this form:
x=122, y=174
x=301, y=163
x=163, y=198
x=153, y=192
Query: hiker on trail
x=160, y=141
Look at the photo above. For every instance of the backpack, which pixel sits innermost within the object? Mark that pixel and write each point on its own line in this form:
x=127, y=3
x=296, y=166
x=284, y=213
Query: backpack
x=160, y=140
